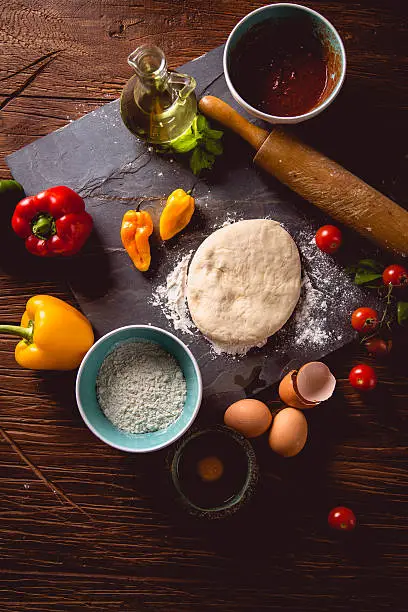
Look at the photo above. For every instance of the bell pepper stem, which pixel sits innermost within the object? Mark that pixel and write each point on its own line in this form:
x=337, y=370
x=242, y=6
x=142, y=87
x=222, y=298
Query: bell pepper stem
x=17, y=330
x=43, y=226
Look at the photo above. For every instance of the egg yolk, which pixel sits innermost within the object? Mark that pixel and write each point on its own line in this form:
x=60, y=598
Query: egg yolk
x=210, y=469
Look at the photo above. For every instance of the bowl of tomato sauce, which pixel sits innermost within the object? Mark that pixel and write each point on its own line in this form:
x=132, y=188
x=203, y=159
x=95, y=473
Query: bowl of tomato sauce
x=284, y=63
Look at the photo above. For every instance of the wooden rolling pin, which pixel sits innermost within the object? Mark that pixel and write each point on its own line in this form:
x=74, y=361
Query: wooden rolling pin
x=319, y=180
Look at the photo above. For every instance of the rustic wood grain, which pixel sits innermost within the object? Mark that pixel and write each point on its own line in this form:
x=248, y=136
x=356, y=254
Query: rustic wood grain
x=86, y=527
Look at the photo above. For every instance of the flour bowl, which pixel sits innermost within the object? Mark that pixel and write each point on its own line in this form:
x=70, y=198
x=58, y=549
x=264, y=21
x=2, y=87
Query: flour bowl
x=87, y=400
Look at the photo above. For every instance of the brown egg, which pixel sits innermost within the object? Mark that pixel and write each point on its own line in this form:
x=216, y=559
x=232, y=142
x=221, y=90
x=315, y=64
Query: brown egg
x=312, y=384
x=248, y=416
x=288, y=433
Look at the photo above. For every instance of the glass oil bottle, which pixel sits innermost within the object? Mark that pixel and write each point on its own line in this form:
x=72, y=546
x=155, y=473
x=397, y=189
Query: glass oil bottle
x=157, y=105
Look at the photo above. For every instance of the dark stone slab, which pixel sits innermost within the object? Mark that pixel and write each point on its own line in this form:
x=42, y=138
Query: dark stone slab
x=112, y=170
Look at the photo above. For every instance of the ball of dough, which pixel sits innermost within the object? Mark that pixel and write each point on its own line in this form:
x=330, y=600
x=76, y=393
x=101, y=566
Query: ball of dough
x=244, y=282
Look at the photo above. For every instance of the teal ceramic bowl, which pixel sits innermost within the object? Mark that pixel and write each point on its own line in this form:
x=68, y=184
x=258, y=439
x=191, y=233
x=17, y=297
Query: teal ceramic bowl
x=92, y=413
x=326, y=33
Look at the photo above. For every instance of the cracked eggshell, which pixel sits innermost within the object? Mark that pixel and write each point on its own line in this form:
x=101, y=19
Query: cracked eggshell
x=315, y=383
x=312, y=384
x=289, y=394
x=288, y=433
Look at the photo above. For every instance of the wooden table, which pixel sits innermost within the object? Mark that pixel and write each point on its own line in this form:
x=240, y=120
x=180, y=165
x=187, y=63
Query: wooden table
x=86, y=527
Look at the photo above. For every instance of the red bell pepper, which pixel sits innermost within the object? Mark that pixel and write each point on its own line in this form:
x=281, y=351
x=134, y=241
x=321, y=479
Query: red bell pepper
x=54, y=222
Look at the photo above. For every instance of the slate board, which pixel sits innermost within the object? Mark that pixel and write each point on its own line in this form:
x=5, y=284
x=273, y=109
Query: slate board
x=111, y=169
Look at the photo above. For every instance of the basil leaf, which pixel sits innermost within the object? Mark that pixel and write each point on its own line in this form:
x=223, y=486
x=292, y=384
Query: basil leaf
x=370, y=264
x=184, y=143
x=196, y=163
x=213, y=146
x=201, y=160
x=202, y=123
x=208, y=160
x=202, y=140
x=402, y=313
x=214, y=134
x=362, y=277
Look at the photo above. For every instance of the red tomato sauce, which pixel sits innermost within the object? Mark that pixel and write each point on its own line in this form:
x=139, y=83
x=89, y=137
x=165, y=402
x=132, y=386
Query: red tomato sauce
x=280, y=68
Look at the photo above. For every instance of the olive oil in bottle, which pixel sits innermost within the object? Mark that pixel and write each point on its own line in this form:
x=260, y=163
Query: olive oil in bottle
x=157, y=105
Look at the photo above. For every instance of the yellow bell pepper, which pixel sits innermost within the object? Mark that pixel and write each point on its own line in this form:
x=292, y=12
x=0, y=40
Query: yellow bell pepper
x=176, y=214
x=137, y=226
x=55, y=336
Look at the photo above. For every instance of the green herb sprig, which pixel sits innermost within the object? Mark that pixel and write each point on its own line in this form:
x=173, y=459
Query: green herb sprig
x=203, y=142
x=368, y=273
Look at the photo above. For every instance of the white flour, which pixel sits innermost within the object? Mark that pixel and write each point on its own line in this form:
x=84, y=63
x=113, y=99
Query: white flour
x=310, y=329
x=325, y=285
x=140, y=387
x=230, y=218
x=171, y=296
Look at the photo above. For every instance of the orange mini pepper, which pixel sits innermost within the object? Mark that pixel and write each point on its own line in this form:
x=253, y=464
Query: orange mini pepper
x=176, y=214
x=137, y=226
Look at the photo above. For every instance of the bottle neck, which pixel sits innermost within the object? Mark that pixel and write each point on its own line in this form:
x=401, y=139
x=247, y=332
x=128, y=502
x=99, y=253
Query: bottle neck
x=153, y=92
x=150, y=65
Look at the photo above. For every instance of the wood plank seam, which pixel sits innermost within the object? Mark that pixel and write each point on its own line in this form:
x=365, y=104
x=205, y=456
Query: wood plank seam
x=27, y=82
x=34, y=63
x=50, y=485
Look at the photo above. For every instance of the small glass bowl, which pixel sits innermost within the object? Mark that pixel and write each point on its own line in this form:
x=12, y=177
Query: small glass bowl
x=235, y=502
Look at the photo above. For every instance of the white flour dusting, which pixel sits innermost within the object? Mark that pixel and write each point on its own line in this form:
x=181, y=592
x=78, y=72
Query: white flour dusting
x=325, y=285
x=230, y=218
x=309, y=328
x=328, y=275
x=171, y=296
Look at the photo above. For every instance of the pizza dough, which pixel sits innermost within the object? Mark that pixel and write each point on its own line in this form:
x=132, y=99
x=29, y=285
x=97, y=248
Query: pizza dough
x=244, y=282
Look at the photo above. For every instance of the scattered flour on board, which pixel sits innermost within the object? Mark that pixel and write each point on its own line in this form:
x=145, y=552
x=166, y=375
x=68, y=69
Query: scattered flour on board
x=309, y=328
x=171, y=296
x=230, y=218
x=325, y=285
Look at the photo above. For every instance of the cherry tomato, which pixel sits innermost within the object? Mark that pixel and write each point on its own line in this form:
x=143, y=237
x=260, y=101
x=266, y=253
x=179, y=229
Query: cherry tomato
x=342, y=518
x=363, y=377
x=364, y=319
x=378, y=347
x=328, y=238
x=395, y=275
